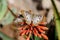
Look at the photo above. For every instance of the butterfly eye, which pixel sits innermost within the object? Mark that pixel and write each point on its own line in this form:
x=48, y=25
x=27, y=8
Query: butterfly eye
x=27, y=17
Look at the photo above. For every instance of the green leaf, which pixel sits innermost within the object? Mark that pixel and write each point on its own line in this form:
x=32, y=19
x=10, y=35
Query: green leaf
x=5, y=37
x=3, y=8
x=37, y=38
x=8, y=18
x=57, y=25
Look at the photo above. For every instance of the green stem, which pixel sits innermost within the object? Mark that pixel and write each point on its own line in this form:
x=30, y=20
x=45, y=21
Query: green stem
x=55, y=8
x=57, y=18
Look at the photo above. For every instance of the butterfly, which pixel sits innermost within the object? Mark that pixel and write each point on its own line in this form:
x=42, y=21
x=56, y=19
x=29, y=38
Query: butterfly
x=29, y=17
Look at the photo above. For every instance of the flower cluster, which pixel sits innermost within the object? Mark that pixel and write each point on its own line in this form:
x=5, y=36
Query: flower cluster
x=38, y=31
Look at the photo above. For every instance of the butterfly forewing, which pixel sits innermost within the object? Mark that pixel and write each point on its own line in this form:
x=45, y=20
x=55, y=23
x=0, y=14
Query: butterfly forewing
x=27, y=17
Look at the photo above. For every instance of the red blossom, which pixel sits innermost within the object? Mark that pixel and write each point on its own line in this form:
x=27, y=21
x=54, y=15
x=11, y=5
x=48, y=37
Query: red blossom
x=36, y=30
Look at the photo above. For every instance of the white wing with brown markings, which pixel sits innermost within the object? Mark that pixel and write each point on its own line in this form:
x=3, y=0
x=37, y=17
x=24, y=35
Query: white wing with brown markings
x=37, y=19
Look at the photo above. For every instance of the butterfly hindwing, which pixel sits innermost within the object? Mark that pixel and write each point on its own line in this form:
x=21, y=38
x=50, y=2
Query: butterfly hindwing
x=37, y=19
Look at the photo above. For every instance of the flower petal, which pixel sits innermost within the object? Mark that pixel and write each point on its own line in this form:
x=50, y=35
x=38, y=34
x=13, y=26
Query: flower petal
x=34, y=33
x=20, y=28
x=40, y=30
x=28, y=38
x=27, y=31
x=23, y=32
x=44, y=36
x=39, y=35
x=42, y=27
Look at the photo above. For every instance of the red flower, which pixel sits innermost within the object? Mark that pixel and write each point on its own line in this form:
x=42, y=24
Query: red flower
x=36, y=30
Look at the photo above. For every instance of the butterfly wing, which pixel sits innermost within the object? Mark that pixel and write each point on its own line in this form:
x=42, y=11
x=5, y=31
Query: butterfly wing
x=37, y=19
x=27, y=17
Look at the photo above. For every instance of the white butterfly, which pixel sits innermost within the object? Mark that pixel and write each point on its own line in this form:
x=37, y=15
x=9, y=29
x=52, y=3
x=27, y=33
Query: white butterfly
x=36, y=19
